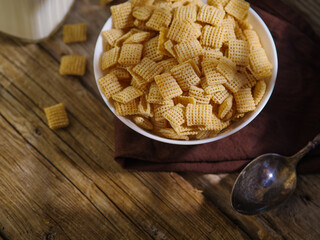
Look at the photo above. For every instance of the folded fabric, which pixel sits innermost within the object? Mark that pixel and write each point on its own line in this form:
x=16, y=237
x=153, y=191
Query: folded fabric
x=290, y=119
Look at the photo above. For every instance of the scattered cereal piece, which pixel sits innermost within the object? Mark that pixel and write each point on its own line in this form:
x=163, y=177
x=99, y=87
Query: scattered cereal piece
x=57, y=116
x=73, y=65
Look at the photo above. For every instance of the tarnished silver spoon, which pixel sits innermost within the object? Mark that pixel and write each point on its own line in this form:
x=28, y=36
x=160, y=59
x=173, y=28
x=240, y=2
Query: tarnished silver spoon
x=267, y=181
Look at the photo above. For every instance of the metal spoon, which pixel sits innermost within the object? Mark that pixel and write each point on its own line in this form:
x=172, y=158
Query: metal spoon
x=267, y=181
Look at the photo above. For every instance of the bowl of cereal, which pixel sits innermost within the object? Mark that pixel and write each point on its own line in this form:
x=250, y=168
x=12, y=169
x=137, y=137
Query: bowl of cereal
x=185, y=72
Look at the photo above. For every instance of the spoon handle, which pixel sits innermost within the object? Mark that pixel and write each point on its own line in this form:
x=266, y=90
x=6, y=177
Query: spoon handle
x=311, y=145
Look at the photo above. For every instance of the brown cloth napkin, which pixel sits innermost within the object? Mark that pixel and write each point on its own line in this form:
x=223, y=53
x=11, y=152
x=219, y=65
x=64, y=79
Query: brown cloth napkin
x=290, y=119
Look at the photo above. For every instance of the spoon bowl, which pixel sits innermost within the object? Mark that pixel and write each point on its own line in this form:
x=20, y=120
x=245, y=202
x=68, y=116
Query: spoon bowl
x=267, y=181
x=263, y=184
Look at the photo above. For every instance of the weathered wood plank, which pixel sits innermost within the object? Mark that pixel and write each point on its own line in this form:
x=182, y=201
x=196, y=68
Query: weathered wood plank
x=29, y=191
x=126, y=191
x=298, y=218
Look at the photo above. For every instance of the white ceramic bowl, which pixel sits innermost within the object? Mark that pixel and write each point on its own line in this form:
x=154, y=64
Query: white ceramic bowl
x=267, y=42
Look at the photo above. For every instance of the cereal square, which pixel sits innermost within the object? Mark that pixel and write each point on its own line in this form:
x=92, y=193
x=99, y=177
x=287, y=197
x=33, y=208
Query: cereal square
x=73, y=65
x=57, y=116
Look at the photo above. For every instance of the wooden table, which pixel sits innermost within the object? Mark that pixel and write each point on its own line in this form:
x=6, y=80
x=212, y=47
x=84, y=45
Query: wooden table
x=65, y=184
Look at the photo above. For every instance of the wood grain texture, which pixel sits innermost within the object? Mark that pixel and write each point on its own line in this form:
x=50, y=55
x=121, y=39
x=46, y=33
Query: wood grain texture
x=65, y=184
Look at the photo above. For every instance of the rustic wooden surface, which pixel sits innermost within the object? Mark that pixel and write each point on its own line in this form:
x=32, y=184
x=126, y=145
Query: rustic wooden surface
x=65, y=184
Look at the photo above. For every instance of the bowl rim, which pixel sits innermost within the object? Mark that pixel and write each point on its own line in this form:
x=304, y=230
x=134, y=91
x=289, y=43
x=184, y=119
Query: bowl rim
x=98, y=74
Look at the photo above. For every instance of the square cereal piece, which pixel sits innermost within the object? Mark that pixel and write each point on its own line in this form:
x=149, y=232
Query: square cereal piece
x=151, y=49
x=124, y=109
x=169, y=46
x=211, y=15
x=142, y=13
x=172, y=134
x=217, y=2
x=109, y=58
x=228, y=24
x=148, y=69
x=168, y=64
x=175, y=116
x=154, y=95
x=126, y=95
x=238, y=52
x=138, y=37
x=181, y=30
x=199, y=94
x=220, y=96
x=121, y=73
x=168, y=86
x=259, y=61
x=225, y=107
x=259, y=91
x=73, y=65
x=74, y=33
x=188, y=49
x=144, y=107
x=142, y=2
x=130, y=54
x=188, y=12
x=57, y=116
x=212, y=76
x=252, y=38
x=244, y=100
x=227, y=68
x=142, y=122
x=122, y=15
x=160, y=109
x=237, y=8
x=109, y=85
x=212, y=36
x=160, y=17
x=185, y=75
x=162, y=39
x=198, y=114
x=112, y=35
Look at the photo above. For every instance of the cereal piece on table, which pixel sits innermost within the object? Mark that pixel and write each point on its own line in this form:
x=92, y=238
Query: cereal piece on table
x=211, y=15
x=252, y=38
x=109, y=58
x=188, y=12
x=184, y=100
x=130, y=54
x=154, y=95
x=220, y=96
x=112, y=35
x=199, y=94
x=126, y=95
x=162, y=39
x=142, y=12
x=168, y=86
x=151, y=49
x=121, y=73
x=225, y=107
x=244, y=100
x=170, y=133
x=259, y=91
x=237, y=8
x=185, y=75
x=188, y=49
x=144, y=107
x=109, y=85
x=198, y=114
x=74, y=33
x=147, y=69
x=175, y=116
x=212, y=36
x=259, y=61
x=122, y=15
x=239, y=52
x=227, y=68
x=169, y=46
x=137, y=37
x=160, y=18
x=181, y=30
x=168, y=64
x=142, y=122
x=57, y=116
x=73, y=65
